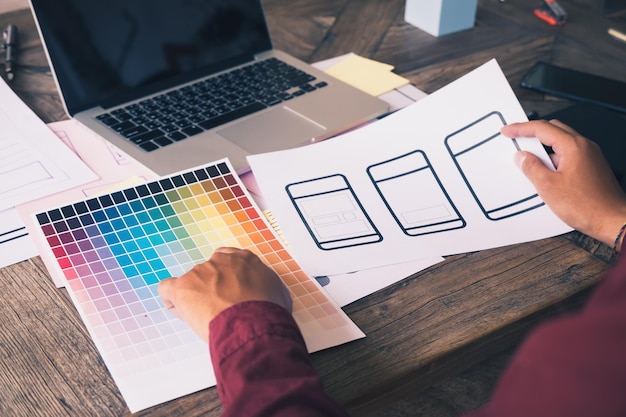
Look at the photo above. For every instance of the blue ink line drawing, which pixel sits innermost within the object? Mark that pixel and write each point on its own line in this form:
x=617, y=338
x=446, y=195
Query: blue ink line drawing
x=414, y=195
x=470, y=147
x=332, y=213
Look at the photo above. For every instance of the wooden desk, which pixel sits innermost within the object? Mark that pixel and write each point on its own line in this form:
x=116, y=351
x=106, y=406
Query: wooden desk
x=430, y=325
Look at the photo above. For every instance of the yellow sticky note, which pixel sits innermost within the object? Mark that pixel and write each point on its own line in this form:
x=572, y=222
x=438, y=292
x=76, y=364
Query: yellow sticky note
x=373, y=77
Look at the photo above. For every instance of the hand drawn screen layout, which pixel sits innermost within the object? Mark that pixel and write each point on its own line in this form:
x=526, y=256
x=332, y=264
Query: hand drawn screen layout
x=332, y=213
x=433, y=179
x=471, y=147
x=413, y=193
x=430, y=209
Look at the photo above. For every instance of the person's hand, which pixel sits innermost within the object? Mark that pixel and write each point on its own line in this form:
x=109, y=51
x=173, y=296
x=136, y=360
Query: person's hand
x=583, y=191
x=229, y=277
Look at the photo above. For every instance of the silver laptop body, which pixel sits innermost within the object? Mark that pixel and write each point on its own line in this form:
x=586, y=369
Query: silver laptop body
x=111, y=59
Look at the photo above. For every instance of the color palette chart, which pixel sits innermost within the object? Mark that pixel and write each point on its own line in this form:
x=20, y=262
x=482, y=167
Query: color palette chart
x=112, y=251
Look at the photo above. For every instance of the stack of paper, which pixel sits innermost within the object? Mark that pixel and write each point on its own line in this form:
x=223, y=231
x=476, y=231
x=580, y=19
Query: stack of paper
x=34, y=163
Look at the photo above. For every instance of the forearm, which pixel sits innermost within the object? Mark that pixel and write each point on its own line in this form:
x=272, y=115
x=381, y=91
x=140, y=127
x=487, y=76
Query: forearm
x=262, y=365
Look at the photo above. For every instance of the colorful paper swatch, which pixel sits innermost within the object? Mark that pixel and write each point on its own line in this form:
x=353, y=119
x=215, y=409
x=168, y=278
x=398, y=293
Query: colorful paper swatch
x=112, y=250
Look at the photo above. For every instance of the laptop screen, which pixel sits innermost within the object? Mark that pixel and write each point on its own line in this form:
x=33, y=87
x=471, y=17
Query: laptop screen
x=109, y=52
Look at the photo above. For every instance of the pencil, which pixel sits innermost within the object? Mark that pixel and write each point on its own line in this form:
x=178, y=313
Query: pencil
x=617, y=34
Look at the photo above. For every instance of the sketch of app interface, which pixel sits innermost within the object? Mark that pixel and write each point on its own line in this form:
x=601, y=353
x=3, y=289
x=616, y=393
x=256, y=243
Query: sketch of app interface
x=414, y=195
x=498, y=186
x=332, y=213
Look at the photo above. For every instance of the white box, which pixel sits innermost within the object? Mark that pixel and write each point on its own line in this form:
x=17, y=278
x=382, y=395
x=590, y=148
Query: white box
x=441, y=17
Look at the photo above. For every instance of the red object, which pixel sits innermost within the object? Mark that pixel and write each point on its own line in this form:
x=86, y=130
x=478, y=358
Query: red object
x=545, y=15
x=552, y=12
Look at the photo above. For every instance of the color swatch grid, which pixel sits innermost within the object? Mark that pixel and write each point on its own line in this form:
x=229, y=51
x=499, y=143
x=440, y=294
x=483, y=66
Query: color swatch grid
x=112, y=250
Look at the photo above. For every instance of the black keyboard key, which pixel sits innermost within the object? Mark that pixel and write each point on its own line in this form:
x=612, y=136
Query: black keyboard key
x=148, y=136
x=148, y=146
x=107, y=120
x=183, y=123
x=133, y=131
x=234, y=115
x=307, y=87
x=152, y=125
x=197, y=118
x=163, y=141
x=271, y=101
x=176, y=136
x=221, y=109
x=192, y=130
x=302, y=79
x=122, y=115
x=169, y=128
x=120, y=127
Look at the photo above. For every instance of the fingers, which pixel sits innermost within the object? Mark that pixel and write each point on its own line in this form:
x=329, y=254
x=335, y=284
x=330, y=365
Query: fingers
x=531, y=166
x=526, y=129
x=564, y=127
x=560, y=137
x=165, y=291
x=227, y=249
x=549, y=133
x=229, y=277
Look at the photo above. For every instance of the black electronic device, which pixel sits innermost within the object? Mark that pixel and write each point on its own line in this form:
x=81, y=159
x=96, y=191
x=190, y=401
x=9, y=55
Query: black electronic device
x=576, y=85
x=602, y=126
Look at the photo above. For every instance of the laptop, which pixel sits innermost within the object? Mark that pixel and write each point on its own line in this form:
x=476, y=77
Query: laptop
x=163, y=80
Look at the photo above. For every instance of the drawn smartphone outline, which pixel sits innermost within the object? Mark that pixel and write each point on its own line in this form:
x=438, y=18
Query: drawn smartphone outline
x=332, y=213
x=395, y=178
x=464, y=146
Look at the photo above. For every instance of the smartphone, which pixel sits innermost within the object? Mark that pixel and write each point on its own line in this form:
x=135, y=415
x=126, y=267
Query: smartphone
x=576, y=85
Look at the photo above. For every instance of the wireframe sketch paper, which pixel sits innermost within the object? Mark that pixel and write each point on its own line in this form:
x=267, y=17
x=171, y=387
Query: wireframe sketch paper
x=15, y=244
x=433, y=179
x=33, y=161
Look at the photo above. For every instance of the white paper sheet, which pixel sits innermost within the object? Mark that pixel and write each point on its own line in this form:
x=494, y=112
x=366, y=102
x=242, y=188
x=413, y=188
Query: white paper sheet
x=347, y=288
x=433, y=179
x=33, y=162
x=15, y=244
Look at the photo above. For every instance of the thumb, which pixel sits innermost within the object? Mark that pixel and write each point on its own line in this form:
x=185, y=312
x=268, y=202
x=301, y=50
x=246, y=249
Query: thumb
x=531, y=166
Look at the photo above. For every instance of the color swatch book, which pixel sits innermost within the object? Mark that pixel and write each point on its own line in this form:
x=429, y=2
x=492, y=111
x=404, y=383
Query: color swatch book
x=112, y=251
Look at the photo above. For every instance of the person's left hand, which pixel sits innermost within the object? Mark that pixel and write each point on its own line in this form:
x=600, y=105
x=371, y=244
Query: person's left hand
x=229, y=277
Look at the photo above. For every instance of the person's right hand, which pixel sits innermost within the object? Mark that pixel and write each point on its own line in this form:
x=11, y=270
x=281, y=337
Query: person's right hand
x=583, y=191
x=229, y=277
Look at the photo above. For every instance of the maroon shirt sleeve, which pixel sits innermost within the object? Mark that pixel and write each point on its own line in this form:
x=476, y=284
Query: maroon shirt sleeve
x=262, y=365
x=574, y=366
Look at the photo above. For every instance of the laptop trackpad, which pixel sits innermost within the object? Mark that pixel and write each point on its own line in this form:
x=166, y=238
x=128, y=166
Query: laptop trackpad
x=278, y=129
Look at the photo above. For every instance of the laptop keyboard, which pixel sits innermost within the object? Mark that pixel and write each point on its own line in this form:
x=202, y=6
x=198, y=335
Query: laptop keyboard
x=176, y=115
